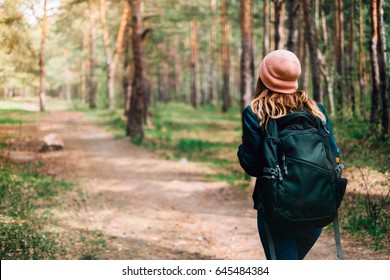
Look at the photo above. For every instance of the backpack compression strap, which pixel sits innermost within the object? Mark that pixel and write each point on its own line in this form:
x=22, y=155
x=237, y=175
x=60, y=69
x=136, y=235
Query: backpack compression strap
x=336, y=228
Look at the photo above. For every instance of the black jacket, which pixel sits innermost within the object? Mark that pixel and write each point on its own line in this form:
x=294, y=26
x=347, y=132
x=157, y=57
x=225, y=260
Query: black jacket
x=249, y=151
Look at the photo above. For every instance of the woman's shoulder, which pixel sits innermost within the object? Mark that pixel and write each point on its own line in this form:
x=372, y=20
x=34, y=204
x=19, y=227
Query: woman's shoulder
x=249, y=117
x=248, y=111
x=321, y=106
x=322, y=109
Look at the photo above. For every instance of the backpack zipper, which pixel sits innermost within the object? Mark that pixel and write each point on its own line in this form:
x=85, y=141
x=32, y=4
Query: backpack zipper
x=284, y=164
x=308, y=165
x=279, y=173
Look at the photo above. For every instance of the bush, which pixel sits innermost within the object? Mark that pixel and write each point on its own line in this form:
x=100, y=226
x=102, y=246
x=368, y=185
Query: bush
x=21, y=240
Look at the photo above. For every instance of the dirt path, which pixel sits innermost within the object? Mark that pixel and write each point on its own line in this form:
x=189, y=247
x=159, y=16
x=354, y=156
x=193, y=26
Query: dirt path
x=152, y=208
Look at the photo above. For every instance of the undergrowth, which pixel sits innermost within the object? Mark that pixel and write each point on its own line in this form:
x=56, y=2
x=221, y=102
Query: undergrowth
x=24, y=196
x=365, y=214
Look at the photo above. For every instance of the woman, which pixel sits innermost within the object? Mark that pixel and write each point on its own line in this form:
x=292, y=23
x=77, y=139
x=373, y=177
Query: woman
x=276, y=96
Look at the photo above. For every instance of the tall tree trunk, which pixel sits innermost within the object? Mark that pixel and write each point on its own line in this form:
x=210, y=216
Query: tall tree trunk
x=382, y=71
x=324, y=65
x=362, y=81
x=317, y=18
x=112, y=59
x=178, y=78
x=187, y=74
x=319, y=53
x=127, y=67
x=293, y=19
x=92, y=83
x=171, y=69
x=311, y=39
x=246, y=54
x=84, y=65
x=234, y=72
x=351, y=91
x=302, y=53
x=266, y=30
x=339, y=54
x=67, y=72
x=164, y=72
x=5, y=93
x=225, y=57
x=107, y=50
x=272, y=29
x=374, y=117
x=140, y=87
x=204, y=81
x=323, y=25
x=279, y=24
x=68, y=92
x=212, y=77
x=194, y=64
x=42, y=70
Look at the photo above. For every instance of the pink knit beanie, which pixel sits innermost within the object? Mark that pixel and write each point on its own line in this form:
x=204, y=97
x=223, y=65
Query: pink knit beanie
x=279, y=71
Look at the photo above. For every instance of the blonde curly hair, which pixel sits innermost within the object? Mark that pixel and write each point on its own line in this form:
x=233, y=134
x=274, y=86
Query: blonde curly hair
x=268, y=104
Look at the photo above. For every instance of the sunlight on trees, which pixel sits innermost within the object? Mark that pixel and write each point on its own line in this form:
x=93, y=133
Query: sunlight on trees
x=196, y=52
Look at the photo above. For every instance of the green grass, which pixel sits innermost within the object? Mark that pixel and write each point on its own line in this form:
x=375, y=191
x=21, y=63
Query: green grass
x=24, y=240
x=197, y=134
x=368, y=219
x=23, y=194
x=359, y=146
x=16, y=116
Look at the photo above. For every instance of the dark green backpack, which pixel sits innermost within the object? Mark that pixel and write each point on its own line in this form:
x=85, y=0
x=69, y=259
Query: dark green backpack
x=301, y=178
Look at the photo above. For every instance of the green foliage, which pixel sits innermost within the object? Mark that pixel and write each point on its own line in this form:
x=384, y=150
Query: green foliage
x=9, y=121
x=13, y=120
x=14, y=114
x=17, y=55
x=22, y=240
x=22, y=194
x=24, y=197
x=364, y=214
x=368, y=218
x=358, y=144
x=93, y=243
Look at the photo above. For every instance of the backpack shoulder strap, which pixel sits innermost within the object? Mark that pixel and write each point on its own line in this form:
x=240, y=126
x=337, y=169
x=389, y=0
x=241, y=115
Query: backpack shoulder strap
x=296, y=117
x=272, y=128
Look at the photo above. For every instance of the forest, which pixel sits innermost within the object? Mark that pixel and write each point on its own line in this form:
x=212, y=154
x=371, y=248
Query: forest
x=173, y=76
x=198, y=52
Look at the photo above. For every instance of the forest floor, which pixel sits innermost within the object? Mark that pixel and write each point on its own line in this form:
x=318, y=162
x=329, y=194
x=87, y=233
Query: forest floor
x=151, y=208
